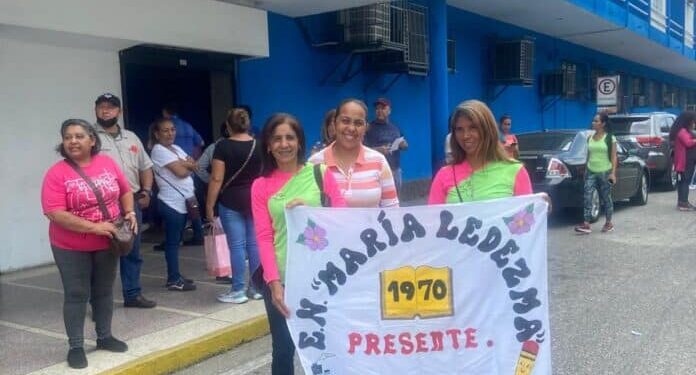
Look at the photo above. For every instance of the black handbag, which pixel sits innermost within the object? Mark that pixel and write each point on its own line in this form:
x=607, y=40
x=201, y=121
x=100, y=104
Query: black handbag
x=122, y=242
x=319, y=179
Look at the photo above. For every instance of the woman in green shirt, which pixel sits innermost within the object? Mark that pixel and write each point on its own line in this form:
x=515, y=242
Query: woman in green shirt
x=600, y=173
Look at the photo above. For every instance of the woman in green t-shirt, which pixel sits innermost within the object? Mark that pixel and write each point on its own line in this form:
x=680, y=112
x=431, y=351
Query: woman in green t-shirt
x=600, y=173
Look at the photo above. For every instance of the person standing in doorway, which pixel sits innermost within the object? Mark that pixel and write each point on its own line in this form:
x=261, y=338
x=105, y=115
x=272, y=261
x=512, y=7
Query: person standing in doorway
x=192, y=143
x=126, y=149
x=381, y=135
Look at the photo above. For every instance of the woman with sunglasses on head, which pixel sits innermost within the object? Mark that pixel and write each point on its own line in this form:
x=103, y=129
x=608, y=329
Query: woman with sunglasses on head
x=287, y=181
x=363, y=174
x=480, y=167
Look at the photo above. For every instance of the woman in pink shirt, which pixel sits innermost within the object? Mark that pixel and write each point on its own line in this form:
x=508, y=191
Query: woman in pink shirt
x=287, y=181
x=682, y=137
x=363, y=174
x=507, y=138
x=480, y=168
x=80, y=234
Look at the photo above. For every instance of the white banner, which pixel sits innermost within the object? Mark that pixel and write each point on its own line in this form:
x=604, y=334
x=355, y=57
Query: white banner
x=450, y=289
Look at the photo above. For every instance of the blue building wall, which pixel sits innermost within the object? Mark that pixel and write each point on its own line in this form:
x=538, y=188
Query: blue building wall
x=290, y=81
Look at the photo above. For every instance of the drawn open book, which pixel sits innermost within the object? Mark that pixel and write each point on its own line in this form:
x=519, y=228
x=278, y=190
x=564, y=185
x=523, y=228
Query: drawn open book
x=408, y=292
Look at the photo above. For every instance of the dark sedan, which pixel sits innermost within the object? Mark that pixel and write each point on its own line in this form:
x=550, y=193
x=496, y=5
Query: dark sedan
x=556, y=163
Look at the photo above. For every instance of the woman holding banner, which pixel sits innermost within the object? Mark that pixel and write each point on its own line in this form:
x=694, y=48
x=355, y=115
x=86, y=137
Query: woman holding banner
x=363, y=174
x=480, y=167
x=287, y=181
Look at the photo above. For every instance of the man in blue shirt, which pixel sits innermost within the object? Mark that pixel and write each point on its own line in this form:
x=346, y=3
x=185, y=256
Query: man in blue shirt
x=380, y=136
x=186, y=136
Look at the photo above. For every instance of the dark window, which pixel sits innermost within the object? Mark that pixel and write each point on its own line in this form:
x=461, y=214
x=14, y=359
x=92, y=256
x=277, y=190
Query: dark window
x=630, y=125
x=545, y=141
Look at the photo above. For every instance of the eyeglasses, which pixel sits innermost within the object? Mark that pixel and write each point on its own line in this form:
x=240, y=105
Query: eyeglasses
x=358, y=122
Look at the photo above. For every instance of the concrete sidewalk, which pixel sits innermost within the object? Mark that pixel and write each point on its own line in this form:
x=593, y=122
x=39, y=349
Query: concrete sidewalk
x=184, y=328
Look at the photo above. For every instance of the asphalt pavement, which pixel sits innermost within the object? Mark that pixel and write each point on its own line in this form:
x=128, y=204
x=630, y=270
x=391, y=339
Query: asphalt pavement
x=620, y=302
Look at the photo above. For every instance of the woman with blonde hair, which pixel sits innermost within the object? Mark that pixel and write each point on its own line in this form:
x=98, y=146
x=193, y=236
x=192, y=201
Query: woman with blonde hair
x=480, y=167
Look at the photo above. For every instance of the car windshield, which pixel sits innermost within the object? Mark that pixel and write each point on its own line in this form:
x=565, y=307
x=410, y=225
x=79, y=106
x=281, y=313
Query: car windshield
x=629, y=125
x=545, y=141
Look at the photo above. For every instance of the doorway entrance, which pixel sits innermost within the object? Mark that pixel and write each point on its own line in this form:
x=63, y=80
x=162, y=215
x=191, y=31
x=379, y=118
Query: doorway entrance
x=200, y=84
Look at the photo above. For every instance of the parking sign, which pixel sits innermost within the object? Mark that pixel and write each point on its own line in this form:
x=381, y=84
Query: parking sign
x=607, y=91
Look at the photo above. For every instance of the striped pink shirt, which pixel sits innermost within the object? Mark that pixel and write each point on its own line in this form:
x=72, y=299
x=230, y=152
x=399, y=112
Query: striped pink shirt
x=368, y=183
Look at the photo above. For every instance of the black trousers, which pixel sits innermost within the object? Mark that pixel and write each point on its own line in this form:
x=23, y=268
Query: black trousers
x=686, y=177
x=88, y=276
x=283, y=347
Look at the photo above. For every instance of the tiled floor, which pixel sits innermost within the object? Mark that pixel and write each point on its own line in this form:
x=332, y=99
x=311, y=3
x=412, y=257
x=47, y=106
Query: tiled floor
x=32, y=334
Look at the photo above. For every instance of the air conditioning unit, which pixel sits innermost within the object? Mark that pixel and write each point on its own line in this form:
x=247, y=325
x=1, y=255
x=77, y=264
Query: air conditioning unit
x=558, y=83
x=513, y=62
x=412, y=28
x=640, y=101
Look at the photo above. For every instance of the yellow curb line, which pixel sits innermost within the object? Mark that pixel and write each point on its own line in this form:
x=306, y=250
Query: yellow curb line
x=191, y=352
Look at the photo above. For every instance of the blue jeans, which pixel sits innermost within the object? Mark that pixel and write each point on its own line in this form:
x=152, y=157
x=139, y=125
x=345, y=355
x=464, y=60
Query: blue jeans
x=174, y=224
x=131, y=264
x=397, y=179
x=281, y=340
x=241, y=239
x=601, y=182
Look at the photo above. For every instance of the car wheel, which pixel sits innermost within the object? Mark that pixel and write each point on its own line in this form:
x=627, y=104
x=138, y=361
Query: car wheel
x=670, y=179
x=641, y=196
x=595, y=206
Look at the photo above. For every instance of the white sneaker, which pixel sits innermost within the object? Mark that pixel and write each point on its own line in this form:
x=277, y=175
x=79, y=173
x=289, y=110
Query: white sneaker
x=233, y=297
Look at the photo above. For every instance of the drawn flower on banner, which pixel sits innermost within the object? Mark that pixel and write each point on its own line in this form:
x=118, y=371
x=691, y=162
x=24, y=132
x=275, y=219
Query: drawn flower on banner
x=313, y=237
x=522, y=221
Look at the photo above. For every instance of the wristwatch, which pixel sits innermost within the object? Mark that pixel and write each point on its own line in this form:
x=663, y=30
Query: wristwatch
x=147, y=191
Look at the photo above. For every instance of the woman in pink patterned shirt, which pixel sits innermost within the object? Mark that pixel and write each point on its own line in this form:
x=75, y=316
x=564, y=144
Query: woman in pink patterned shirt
x=80, y=234
x=363, y=174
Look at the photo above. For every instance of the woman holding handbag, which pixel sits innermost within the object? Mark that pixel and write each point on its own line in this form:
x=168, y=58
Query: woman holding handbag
x=177, y=201
x=236, y=164
x=80, y=195
x=287, y=181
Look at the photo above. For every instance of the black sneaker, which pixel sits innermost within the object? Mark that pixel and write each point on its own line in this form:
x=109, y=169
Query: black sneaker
x=140, y=302
x=158, y=247
x=186, y=279
x=223, y=280
x=112, y=344
x=77, y=358
x=180, y=286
